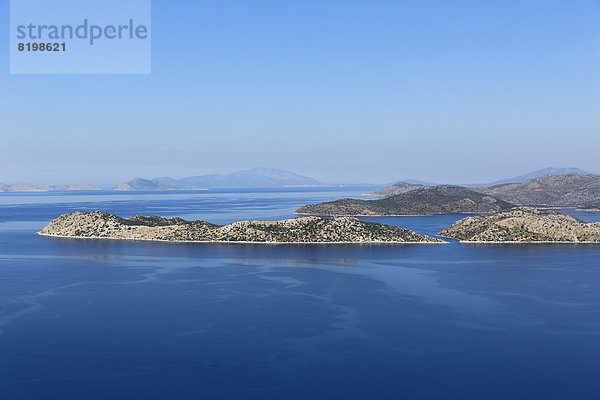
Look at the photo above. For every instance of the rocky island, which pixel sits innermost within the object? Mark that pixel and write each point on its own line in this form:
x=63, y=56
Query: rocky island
x=524, y=225
x=102, y=225
x=424, y=201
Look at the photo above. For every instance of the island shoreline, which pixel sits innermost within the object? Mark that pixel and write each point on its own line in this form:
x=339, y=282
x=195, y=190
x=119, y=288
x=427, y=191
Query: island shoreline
x=225, y=241
x=510, y=242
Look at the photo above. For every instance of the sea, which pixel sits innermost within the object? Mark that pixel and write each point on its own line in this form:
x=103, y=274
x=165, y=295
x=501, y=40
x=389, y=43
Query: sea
x=94, y=319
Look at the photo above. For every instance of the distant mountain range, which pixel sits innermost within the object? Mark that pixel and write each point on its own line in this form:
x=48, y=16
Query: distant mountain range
x=567, y=190
x=412, y=184
x=576, y=191
x=250, y=178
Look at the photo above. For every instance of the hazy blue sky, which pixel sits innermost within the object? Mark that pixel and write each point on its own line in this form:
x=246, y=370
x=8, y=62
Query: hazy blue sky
x=462, y=91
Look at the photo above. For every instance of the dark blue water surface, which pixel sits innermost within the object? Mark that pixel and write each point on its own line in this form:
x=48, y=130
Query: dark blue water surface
x=92, y=319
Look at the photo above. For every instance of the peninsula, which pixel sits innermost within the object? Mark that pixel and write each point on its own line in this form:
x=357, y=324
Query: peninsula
x=102, y=225
x=424, y=201
x=524, y=225
x=568, y=190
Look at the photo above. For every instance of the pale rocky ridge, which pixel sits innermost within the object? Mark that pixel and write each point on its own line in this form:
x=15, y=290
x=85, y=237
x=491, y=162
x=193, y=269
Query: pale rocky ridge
x=523, y=224
x=25, y=187
x=102, y=225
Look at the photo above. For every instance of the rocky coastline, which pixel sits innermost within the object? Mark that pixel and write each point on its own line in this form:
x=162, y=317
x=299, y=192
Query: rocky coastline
x=517, y=225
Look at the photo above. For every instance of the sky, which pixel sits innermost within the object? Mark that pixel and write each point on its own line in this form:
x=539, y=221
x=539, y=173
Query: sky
x=343, y=91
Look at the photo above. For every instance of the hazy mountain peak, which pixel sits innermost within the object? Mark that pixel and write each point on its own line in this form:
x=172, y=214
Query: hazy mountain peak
x=537, y=174
x=142, y=184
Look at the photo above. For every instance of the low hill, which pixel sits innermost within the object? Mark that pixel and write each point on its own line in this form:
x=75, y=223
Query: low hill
x=568, y=190
x=424, y=201
x=523, y=225
x=102, y=225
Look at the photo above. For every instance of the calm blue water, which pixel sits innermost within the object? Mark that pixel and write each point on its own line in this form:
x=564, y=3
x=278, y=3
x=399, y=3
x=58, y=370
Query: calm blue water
x=88, y=319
